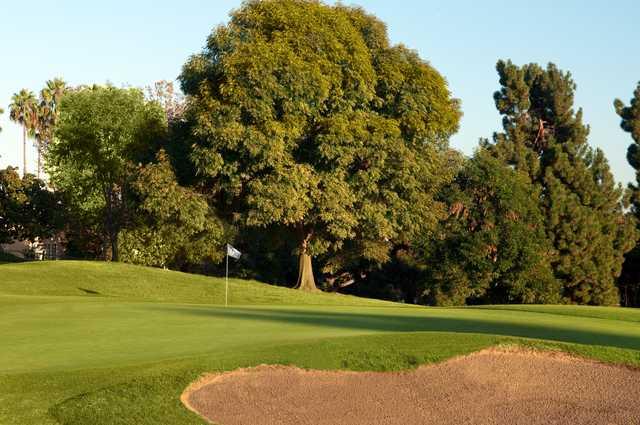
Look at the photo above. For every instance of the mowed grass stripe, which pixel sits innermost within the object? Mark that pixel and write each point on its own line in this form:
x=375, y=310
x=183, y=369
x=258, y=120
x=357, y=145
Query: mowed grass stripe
x=76, y=334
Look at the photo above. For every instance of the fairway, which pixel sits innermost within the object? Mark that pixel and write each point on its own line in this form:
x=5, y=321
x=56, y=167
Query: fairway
x=102, y=343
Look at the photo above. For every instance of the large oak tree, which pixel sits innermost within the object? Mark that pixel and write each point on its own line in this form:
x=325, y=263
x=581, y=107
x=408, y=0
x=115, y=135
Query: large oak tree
x=305, y=117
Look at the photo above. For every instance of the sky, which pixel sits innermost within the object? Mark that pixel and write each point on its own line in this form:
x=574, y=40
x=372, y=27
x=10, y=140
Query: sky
x=138, y=42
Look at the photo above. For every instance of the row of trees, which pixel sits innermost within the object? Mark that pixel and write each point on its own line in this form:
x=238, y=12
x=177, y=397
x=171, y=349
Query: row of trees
x=28, y=209
x=120, y=187
x=305, y=131
x=552, y=218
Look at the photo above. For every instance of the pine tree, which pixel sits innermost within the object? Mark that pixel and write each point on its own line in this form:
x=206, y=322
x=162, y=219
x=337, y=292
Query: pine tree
x=629, y=282
x=582, y=205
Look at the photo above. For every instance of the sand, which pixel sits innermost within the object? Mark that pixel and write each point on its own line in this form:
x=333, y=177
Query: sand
x=495, y=386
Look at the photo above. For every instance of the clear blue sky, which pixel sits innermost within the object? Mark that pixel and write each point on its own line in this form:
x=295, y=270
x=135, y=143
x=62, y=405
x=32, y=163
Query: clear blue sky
x=137, y=42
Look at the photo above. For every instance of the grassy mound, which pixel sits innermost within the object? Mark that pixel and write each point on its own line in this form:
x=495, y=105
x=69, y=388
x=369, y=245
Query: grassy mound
x=104, y=343
x=128, y=282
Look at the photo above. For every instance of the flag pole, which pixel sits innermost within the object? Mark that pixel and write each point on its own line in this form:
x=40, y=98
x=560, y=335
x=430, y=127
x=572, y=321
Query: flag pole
x=226, y=282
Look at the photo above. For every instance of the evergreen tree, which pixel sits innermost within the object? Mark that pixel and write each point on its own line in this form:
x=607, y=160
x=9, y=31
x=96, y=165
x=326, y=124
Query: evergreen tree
x=545, y=138
x=493, y=247
x=629, y=282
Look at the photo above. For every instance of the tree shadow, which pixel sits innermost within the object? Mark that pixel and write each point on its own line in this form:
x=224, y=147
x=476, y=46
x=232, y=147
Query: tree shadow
x=89, y=291
x=388, y=322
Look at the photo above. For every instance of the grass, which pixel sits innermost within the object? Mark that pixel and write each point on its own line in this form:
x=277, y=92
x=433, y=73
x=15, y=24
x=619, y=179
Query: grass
x=103, y=343
x=129, y=283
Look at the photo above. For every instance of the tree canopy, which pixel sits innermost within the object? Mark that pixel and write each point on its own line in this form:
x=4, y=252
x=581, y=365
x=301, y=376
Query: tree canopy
x=629, y=281
x=583, y=207
x=170, y=225
x=307, y=118
x=100, y=132
x=301, y=130
x=630, y=122
x=492, y=248
x=28, y=210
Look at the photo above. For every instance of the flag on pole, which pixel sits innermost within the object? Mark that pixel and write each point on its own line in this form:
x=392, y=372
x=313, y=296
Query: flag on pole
x=233, y=253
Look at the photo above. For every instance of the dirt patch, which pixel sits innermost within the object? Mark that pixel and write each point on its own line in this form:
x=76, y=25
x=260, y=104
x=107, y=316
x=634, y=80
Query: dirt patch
x=496, y=386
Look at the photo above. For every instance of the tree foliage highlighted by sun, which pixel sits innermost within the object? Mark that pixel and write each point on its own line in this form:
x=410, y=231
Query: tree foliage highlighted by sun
x=306, y=117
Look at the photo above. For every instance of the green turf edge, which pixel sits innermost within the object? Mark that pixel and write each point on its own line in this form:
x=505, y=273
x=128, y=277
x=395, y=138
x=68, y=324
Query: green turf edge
x=150, y=394
x=596, y=312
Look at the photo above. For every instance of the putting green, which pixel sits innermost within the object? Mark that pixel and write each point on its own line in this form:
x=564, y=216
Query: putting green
x=108, y=343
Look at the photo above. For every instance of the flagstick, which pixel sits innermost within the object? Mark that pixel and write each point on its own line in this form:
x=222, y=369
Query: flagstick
x=226, y=282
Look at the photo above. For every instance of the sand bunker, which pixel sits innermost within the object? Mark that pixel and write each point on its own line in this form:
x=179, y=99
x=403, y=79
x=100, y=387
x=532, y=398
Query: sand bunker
x=495, y=386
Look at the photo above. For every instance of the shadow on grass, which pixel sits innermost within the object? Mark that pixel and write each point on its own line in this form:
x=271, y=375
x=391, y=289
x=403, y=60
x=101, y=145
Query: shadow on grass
x=89, y=291
x=386, y=322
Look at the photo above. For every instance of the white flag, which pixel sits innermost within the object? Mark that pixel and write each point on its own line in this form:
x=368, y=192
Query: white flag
x=233, y=253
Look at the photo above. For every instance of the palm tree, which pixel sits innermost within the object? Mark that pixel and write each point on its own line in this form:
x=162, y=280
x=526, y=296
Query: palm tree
x=23, y=110
x=47, y=114
x=57, y=87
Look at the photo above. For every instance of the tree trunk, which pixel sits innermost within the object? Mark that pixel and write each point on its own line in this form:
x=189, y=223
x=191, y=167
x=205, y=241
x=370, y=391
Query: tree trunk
x=24, y=150
x=306, y=282
x=39, y=160
x=111, y=226
x=114, y=247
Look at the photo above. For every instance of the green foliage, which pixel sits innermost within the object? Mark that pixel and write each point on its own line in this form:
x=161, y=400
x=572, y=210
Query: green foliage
x=11, y=200
x=583, y=207
x=172, y=225
x=38, y=117
x=306, y=117
x=493, y=247
x=99, y=133
x=27, y=209
x=629, y=282
x=630, y=122
x=22, y=109
x=48, y=112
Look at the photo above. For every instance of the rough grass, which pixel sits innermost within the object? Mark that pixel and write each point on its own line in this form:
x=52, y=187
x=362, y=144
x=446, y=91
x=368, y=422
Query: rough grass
x=115, y=344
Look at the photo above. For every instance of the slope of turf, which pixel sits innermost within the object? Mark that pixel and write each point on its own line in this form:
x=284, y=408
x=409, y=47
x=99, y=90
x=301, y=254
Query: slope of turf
x=115, y=344
x=127, y=282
